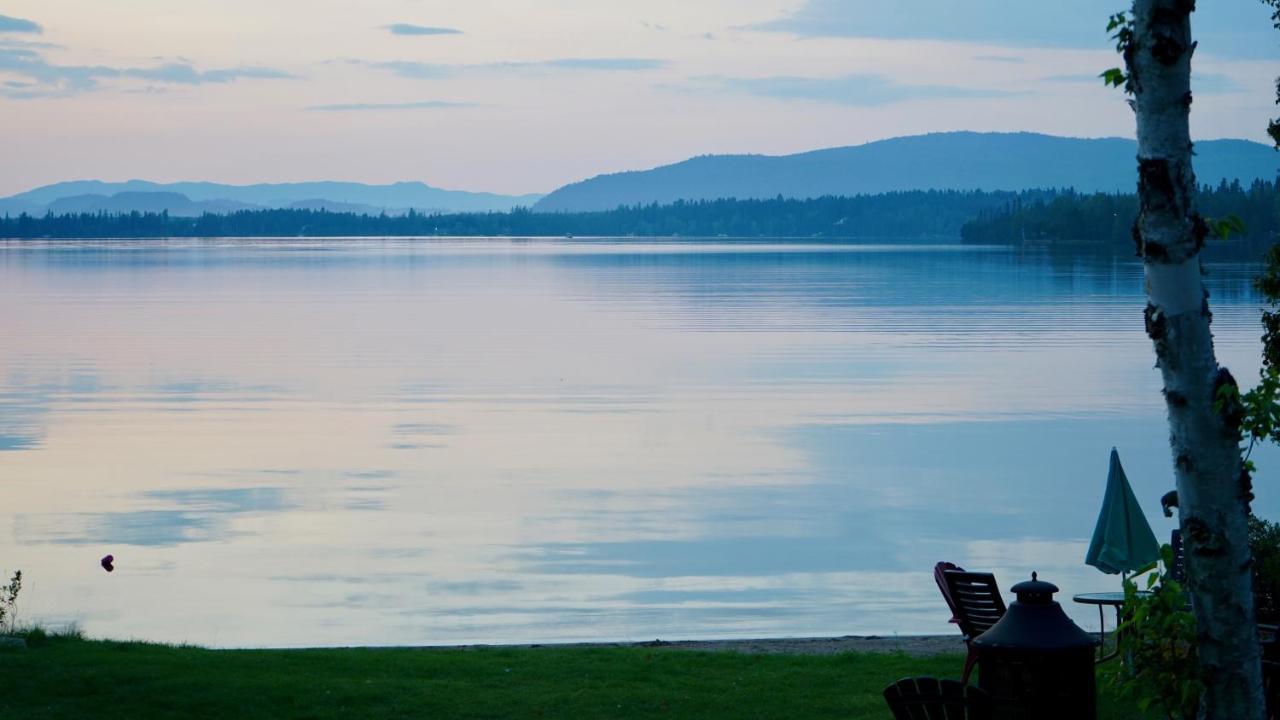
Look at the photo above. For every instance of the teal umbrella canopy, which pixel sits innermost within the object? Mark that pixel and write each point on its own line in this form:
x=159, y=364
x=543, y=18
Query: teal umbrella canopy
x=1122, y=541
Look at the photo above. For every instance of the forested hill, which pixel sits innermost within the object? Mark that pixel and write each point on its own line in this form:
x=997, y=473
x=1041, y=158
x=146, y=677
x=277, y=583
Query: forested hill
x=930, y=214
x=939, y=161
x=1106, y=220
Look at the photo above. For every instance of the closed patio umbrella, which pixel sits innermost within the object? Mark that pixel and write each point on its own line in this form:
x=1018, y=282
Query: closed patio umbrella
x=1122, y=541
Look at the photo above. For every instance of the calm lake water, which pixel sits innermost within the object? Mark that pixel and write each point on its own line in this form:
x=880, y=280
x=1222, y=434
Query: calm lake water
x=433, y=442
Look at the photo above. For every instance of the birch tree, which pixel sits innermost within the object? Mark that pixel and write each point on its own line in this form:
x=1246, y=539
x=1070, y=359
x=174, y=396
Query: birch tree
x=1201, y=397
x=1273, y=128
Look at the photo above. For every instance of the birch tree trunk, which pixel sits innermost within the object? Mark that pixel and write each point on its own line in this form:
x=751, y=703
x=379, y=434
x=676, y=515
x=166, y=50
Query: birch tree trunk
x=1213, y=489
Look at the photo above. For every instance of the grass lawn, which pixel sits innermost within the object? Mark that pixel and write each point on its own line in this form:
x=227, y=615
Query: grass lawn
x=71, y=678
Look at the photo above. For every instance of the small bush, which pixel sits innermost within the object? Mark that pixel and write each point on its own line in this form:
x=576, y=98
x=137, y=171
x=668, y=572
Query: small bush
x=35, y=637
x=68, y=632
x=1158, y=640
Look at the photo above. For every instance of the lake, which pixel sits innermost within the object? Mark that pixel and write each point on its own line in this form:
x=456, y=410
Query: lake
x=418, y=442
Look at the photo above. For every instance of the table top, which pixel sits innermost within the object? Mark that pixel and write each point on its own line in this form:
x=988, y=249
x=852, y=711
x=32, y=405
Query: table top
x=1103, y=598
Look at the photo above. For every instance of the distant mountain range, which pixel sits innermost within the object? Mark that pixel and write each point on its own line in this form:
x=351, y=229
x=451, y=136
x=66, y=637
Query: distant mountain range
x=940, y=161
x=194, y=198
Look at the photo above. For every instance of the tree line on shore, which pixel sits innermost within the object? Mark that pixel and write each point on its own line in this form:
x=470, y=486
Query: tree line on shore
x=919, y=214
x=1051, y=217
x=1106, y=219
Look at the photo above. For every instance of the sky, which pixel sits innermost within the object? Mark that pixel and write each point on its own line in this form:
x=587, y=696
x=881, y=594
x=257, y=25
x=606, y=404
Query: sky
x=523, y=96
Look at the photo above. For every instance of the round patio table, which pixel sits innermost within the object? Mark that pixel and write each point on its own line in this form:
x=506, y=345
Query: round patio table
x=1106, y=599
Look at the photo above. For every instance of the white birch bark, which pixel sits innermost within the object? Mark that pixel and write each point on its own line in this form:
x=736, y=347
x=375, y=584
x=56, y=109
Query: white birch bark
x=1213, y=490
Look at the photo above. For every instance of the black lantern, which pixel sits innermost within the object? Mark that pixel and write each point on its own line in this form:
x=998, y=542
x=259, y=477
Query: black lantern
x=1035, y=662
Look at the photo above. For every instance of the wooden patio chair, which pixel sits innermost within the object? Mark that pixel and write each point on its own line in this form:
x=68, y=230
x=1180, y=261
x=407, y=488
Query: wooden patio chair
x=975, y=603
x=1266, y=601
x=926, y=698
x=1269, y=635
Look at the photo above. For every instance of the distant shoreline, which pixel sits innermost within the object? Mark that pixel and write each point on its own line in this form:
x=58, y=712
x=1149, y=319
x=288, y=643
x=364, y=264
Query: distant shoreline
x=915, y=214
x=1048, y=219
x=940, y=240
x=910, y=645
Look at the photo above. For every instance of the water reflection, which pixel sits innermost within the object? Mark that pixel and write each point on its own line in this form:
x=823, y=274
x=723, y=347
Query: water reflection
x=301, y=442
x=201, y=516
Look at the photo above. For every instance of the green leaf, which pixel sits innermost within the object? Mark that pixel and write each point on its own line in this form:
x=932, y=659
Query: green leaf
x=1113, y=77
x=1223, y=228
